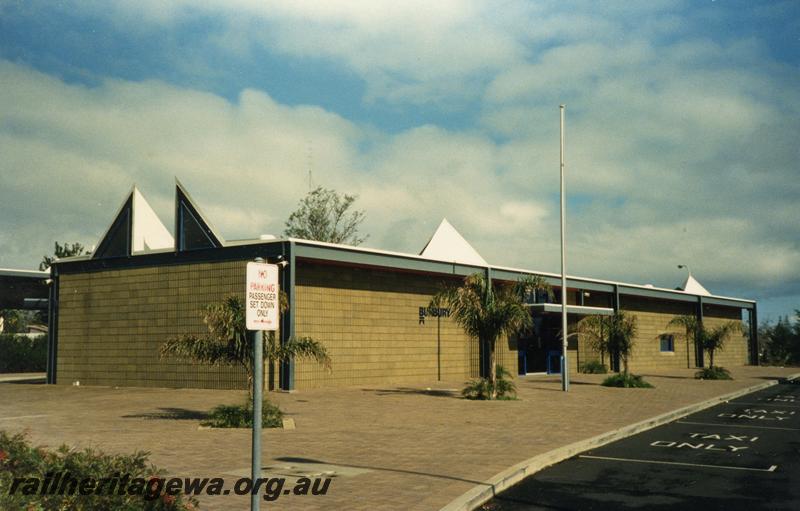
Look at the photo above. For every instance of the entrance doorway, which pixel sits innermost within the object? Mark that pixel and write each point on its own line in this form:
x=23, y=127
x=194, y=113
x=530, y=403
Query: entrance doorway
x=534, y=349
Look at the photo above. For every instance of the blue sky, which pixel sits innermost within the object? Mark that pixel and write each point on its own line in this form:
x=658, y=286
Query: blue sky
x=682, y=126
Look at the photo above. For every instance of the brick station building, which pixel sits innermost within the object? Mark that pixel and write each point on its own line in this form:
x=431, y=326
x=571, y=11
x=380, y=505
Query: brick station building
x=112, y=309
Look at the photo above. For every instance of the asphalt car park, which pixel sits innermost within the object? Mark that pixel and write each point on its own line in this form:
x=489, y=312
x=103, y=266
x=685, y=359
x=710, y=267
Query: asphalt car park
x=743, y=454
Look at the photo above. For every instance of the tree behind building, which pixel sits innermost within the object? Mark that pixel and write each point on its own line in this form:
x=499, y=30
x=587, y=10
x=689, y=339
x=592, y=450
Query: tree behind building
x=325, y=215
x=60, y=251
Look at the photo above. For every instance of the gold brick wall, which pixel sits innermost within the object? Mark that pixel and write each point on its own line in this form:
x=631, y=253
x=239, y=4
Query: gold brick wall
x=369, y=322
x=111, y=324
x=652, y=317
x=734, y=352
x=506, y=353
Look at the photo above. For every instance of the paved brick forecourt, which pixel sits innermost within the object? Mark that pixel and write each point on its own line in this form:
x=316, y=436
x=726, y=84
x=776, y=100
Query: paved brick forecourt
x=422, y=448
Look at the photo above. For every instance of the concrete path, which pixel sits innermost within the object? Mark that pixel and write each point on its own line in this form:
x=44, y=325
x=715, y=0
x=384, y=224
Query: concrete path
x=390, y=447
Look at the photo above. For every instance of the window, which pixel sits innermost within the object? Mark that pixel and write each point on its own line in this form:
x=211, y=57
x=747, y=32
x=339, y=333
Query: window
x=667, y=343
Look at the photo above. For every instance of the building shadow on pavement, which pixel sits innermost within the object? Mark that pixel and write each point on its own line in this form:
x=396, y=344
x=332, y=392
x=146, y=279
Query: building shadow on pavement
x=170, y=414
x=554, y=386
x=413, y=391
x=667, y=376
x=292, y=459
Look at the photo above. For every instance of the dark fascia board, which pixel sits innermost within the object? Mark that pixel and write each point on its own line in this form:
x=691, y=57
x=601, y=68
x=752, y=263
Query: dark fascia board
x=398, y=261
x=378, y=259
x=728, y=302
x=234, y=253
x=381, y=260
x=684, y=297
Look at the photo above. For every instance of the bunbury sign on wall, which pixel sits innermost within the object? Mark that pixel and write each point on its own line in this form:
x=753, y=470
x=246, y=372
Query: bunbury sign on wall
x=262, y=300
x=436, y=312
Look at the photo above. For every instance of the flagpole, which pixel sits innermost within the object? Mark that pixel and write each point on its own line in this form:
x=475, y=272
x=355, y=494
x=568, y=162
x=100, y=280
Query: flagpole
x=564, y=360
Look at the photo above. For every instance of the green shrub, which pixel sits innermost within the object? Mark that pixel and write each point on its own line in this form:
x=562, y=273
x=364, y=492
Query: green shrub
x=481, y=388
x=593, y=367
x=626, y=381
x=713, y=373
x=19, y=460
x=20, y=354
x=241, y=416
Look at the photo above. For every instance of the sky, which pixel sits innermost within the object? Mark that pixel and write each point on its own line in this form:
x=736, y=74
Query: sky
x=682, y=127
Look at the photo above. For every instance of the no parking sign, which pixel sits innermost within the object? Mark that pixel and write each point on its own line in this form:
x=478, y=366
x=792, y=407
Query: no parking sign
x=262, y=297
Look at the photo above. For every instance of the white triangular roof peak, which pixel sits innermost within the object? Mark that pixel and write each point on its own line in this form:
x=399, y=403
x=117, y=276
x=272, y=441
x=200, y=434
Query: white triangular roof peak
x=692, y=286
x=447, y=244
x=148, y=233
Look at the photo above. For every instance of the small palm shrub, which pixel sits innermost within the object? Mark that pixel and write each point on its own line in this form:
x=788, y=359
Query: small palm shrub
x=28, y=466
x=713, y=373
x=482, y=388
x=228, y=341
x=241, y=416
x=626, y=381
x=593, y=367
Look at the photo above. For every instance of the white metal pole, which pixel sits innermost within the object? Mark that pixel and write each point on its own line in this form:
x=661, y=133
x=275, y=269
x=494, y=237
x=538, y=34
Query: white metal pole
x=564, y=360
x=258, y=379
x=258, y=384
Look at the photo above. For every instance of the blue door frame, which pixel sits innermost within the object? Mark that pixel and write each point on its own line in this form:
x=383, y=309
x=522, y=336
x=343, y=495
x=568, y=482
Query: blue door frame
x=553, y=362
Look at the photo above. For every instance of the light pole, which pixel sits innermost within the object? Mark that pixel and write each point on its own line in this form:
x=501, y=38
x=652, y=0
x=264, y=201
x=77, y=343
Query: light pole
x=258, y=386
x=686, y=267
x=564, y=361
x=262, y=312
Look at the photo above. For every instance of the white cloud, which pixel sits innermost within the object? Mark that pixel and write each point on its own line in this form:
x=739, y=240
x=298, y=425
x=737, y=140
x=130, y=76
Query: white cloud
x=413, y=51
x=71, y=153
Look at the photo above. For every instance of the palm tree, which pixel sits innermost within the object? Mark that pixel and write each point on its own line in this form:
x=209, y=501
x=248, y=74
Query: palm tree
x=714, y=339
x=489, y=310
x=614, y=334
x=622, y=336
x=690, y=326
x=228, y=343
x=594, y=328
x=709, y=341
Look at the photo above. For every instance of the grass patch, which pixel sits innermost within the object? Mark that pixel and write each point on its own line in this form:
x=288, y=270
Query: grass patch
x=630, y=381
x=241, y=416
x=593, y=367
x=142, y=492
x=481, y=388
x=713, y=373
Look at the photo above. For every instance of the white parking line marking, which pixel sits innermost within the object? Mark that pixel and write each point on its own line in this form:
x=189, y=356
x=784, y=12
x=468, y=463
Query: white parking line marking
x=761, y=404
x=734, y=425
x=770, y=469
x=21, y=417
